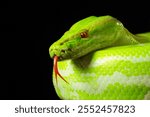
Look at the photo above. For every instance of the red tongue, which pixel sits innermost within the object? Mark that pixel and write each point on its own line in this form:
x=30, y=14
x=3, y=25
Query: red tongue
x=56, y=69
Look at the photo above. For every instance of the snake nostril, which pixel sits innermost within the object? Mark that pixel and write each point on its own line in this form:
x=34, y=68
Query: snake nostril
x=61, y=43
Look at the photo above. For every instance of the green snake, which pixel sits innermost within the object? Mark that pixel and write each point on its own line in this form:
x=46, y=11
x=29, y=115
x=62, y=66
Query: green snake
x=98, y=59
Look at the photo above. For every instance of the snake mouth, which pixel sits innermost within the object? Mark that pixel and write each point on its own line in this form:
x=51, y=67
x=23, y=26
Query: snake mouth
x=62, y=54
x=56, y=71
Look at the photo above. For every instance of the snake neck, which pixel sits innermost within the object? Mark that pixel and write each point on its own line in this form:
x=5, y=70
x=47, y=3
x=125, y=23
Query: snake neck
x=124, y=37
x=143, y=37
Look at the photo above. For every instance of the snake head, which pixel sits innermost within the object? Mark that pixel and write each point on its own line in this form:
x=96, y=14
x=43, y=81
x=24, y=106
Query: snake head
x=85, y=36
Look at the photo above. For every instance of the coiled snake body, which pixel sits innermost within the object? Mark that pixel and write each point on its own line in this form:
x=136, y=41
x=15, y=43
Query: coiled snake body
x=98, y=58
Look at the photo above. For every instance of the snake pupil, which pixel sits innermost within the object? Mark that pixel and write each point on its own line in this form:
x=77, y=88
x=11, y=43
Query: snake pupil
x=84, y=34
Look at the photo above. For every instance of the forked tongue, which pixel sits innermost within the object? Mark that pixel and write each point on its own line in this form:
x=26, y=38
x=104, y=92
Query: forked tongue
x=56, y=69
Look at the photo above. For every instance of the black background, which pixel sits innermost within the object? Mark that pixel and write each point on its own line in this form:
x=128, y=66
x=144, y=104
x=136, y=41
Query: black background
x=30, y=28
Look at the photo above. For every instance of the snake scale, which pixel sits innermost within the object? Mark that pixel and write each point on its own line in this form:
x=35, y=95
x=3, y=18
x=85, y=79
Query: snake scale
x=99, y=59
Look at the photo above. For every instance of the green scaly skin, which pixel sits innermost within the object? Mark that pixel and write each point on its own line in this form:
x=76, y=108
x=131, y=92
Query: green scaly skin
x=109, y=62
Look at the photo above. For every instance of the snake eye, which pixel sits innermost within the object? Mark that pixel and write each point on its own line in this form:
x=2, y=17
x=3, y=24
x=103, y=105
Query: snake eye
x=84, y=34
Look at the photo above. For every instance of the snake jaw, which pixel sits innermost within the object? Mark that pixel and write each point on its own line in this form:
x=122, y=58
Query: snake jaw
x=56, y=69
